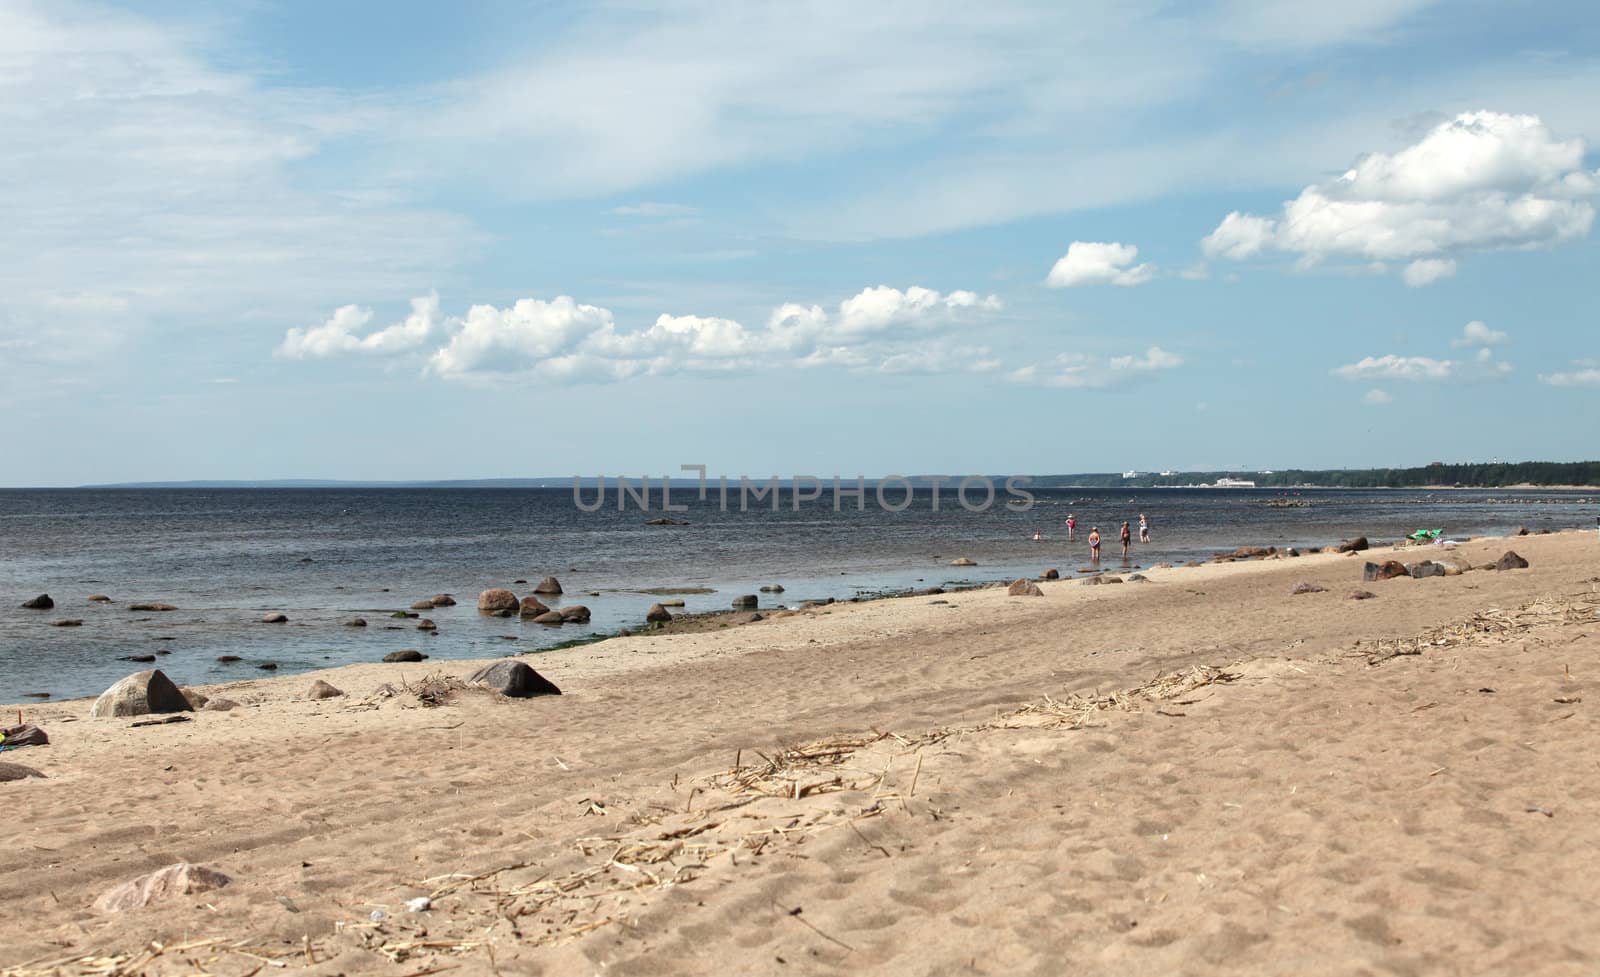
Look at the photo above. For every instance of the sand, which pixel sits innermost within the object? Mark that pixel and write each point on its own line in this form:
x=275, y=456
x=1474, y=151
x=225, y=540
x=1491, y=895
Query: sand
x=991, y=785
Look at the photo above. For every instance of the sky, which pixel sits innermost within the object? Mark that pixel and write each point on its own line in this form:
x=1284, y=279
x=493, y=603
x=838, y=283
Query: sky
x=413, y=240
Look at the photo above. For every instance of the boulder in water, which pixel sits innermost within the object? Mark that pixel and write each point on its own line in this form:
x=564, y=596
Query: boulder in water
x=274, y=619
x=657, y=615
x=39, y=603
x=549, y=585
x=356, y=622
x=746, y=602
x=423, y=605
x=513, y=679
x=576, y=614
x=67, y=622
x=98, y=599
x=962, y=561
x=151, y=605
x=140, y=694
x=442, y=600
x=552, y=618
x=531, y=606
x=497, y=599
x=404, y=655
x=1051, y=574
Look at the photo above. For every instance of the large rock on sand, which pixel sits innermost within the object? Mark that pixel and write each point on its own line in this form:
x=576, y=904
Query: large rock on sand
x=1426, y=568
x=657, y=615
x=16, y=771
x=1511, y=561
x=1023, y=587
x=1252, y=552
x=141, y=694
x=549, y=585
x=1352, y=545
x=1387, y=570
x=404, y=655
x=512, y=678
x=39, y=603
x=496, y=599
x=323, y=690
x=181, y=879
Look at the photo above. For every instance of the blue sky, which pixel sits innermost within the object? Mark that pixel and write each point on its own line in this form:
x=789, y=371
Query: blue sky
x=416, y=240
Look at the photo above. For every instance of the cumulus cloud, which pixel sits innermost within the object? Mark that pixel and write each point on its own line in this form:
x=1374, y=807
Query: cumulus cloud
x=1585, y=373
x=1077, y=370
x=337, y=335
x=1099, y=263
x=1475, y=334
x=1482, y=181
x=1426, y=271
x=880, y=328
x=1423, y=369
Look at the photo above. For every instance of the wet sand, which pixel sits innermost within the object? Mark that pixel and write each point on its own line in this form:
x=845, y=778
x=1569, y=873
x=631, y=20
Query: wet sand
x=986, y=785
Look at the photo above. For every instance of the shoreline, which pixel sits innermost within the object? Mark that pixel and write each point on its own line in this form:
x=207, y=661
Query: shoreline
x=718, y=621
x=978, y=743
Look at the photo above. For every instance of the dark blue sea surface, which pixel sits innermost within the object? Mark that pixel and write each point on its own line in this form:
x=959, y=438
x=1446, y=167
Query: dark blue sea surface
x=225, y=557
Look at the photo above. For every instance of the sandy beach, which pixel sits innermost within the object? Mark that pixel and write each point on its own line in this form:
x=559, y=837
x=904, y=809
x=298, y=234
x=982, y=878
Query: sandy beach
x=1198, y=773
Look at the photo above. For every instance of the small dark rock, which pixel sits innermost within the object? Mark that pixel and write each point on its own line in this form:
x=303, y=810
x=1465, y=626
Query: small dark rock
x=275, y=619
x=137, y=658
x=98, y=599
x=227, y=659
x=67, y=622
x=39, y=603
x=356, y=622
x=772, y=588
x=1511, y=561
x=1360, y=595
x=1307, y=588
x=151, y=606
x=746, y=602
x=268, y=666
x=427, y=625
x=1051, y=574
x=407, y=655
x=513, y=679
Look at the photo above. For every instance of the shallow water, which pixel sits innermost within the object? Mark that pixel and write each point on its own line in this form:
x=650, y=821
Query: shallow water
x=225, y=557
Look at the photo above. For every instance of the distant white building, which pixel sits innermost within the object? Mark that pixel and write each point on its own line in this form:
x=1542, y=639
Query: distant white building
x=1233, y=483
x=1130, y=473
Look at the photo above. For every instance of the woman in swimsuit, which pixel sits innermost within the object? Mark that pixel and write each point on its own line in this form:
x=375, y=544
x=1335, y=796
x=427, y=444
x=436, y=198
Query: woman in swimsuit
x=1072, y=527
x=1094, y=543
x=1127, y=537
x=1144, y=529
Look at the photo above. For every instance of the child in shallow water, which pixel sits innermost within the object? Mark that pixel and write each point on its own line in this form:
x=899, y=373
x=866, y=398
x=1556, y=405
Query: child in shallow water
x=1094, y=543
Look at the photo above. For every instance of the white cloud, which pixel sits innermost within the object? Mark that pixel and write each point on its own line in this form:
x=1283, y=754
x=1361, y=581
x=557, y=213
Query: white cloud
x=140, y=182
x=650, y=209
x=1482, y=181
x=1418, y=369
x=1376, y=398
x=1097, y=263
x=338, y=334
x=1077, y=370
x=880, y=328
x=1586, y=374
x=1475, y=334
x=1425, y=271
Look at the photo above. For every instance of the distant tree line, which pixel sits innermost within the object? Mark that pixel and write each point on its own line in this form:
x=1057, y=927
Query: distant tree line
x=1487, y=475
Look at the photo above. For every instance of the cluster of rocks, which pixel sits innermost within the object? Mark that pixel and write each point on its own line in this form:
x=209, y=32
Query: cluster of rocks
x=1447, y=566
